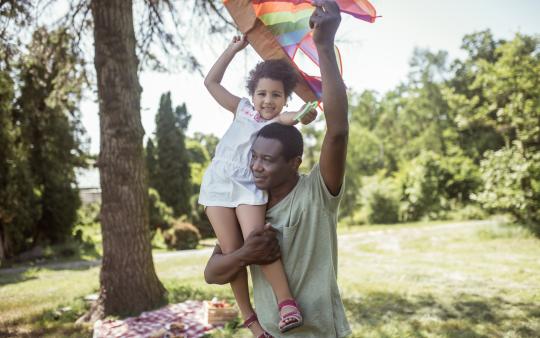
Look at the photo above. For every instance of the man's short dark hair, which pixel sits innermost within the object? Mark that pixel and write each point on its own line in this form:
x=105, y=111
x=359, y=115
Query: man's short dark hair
x=289, y=137
x=276, y=69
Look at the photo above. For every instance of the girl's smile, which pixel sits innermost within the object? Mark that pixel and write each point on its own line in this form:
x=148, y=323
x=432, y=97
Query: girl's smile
x=269, y=98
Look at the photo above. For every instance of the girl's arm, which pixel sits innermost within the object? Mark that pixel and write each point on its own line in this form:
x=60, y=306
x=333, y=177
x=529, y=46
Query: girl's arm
x=215, y=75
x=288, y=117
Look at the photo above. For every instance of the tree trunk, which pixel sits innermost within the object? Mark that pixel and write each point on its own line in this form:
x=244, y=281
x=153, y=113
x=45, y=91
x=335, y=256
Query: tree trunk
x=128, y=281
x=2, y=251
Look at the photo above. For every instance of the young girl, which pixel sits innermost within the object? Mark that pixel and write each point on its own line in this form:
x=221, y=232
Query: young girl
x=234, y=205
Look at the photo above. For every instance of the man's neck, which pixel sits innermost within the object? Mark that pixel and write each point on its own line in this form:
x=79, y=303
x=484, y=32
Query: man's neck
x=276, y=194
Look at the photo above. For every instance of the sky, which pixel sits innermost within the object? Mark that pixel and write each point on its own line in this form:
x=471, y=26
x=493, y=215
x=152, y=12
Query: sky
x=375, y=56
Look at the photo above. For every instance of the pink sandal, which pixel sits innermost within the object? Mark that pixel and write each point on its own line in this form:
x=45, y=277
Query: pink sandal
x=292, y=319
x=252, y=319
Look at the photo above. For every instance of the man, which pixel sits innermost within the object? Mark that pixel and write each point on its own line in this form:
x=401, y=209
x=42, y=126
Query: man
x=302, y=209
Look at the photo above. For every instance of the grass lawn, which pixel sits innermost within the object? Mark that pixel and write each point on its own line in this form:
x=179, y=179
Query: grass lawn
x=474, y=279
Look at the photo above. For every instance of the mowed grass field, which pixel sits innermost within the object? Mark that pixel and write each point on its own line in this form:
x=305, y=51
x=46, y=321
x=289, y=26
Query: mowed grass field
x=470, y=279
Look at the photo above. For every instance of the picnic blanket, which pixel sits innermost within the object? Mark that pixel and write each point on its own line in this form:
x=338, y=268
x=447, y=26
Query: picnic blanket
x=148, y=324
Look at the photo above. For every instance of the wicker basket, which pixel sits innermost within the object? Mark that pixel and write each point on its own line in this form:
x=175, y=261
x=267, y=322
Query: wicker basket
x=219, y=312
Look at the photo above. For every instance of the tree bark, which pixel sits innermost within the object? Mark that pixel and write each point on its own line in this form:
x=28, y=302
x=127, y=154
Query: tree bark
x=128, y=281
x=2, y=251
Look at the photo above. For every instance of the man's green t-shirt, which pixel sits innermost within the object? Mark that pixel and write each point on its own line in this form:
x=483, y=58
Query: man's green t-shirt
x=306, y=220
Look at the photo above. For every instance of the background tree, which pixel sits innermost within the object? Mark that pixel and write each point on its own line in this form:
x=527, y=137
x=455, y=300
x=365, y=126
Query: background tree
x=19, y=209
x=124, y=212
x=198, y=162
x=41, y=138
x=477, y=128
x=151, y=162
x=198, y=148
x=47, y=111
x=208, y=141
x=173, y=174
x=124, y=218
x=128, y=281
x=511, y=87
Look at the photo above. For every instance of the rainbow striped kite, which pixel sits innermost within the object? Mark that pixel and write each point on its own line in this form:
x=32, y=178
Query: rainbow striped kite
x=286, y=22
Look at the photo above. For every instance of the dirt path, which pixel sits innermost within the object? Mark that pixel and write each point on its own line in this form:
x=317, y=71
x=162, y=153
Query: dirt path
x=160, y=256
x=386, y=237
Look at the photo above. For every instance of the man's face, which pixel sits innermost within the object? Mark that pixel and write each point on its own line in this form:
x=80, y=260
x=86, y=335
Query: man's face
x=268, y=164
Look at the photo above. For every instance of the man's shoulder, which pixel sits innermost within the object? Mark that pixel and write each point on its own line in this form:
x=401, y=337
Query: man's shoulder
x=313, y=187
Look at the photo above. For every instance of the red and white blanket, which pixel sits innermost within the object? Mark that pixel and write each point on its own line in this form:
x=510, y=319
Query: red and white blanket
x=164, y=322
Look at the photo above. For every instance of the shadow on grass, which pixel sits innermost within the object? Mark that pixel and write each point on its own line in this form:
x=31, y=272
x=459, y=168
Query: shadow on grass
x=22, y=274
x=466, y=315
x=15, y=278
x=59, y=322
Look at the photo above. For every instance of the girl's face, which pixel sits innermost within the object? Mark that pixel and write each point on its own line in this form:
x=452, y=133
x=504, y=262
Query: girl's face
x=269, y=98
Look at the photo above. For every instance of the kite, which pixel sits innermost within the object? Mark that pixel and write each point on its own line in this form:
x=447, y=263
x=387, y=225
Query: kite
x=280, y=29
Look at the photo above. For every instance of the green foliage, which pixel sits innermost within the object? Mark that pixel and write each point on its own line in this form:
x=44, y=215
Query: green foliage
x=182, y=236
x=88, y=214
x=87, y=231
x=431, y=133
x=365, y=151
x=198, y=161
x=19, y=209
x=208, y=141
x=511, y=88
x=151, y=162
x=312, y=134
x=469, y=211
x=512, y=184
x=497, y=88
x=41, y=139
x=172, y=173
x=381, y=202
x=421, y=183
x=47, y=110
x=161, y=215
x=199, y=218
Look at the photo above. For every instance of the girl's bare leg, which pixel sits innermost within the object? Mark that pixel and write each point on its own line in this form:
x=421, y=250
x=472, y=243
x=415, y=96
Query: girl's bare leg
x=229, y=235
x=252, y=217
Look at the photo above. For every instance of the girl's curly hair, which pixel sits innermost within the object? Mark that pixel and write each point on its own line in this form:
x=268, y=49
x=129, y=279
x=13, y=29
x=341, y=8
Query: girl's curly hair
x=277, y=69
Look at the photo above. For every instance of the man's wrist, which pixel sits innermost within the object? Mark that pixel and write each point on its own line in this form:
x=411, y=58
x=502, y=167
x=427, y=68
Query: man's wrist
x=327, y=47
x=240, y=259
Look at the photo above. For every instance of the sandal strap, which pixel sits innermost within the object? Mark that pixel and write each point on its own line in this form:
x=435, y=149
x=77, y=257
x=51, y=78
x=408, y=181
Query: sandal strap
x=296, y=314
x=288, y=302
x=250, y=320
x=265, y=335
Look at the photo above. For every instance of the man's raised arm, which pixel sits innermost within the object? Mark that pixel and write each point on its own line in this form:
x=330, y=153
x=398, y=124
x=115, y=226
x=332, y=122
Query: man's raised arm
x=325, y=22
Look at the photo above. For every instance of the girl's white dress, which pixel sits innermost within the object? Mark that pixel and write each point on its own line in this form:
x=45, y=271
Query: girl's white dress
x=228, y=181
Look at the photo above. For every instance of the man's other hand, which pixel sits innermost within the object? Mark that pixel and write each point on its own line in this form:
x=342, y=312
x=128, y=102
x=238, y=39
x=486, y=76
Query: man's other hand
x=260, y=247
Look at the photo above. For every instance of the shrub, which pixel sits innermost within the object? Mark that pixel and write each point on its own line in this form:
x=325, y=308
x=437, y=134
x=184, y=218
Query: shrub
x=380, y=201
x=88, y=214
x=182, y=236
x=512, y=184
x=161, y=215
x=421, y=187
x=199, y=219
x=470, y=211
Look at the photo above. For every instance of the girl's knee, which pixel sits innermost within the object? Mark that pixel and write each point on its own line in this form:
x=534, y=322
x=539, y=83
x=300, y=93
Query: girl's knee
x=230, y=245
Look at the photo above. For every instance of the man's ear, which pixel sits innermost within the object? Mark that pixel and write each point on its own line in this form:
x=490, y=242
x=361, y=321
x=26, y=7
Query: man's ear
x=295, y=162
